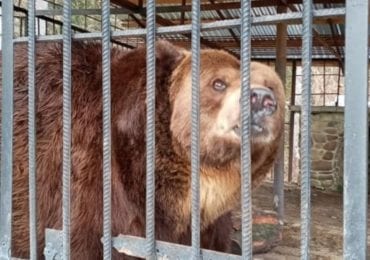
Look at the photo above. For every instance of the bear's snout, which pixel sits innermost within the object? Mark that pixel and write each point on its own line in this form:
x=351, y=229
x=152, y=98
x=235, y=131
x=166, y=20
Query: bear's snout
x=263, y=101
x=263, y=105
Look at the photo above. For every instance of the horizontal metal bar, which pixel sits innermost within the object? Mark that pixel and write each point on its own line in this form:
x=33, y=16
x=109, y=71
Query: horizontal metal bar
x=135, y=246
x=295, y=17
x=217, y=25
x=159, y=9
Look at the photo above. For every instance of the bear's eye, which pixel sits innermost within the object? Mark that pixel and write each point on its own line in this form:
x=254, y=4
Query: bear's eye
x=219, y=85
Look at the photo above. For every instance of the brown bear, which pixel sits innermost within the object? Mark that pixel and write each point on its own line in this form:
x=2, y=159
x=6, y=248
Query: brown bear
x=219, y=141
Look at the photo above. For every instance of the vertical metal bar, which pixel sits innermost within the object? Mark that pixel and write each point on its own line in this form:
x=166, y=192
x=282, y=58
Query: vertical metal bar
x=246, y=173
x=6, y=176
x=32, y=129
x=107, y=171
x=306, y=131
x=195, y=120
x=150, y=136
x=67, y=125
x=356, y=130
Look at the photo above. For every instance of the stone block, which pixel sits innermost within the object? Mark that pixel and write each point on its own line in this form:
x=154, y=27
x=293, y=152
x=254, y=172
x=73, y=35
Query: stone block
x=325, y=177
x=328, y=156
x=316, y=184
x=316, y=155
x=332, y=137
x=330, y=146
x=331, y=131
x=319, y=138
x=327, y=183
x=322, y=165
x=332, y=124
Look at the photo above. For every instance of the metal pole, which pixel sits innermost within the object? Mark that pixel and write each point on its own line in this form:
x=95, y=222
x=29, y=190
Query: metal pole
x=356, y=130
x=6, y=177
x=150, y=135
x=107, y=140
x=32, y=130
x=67, y=126
x=195, y=121
x=306, y=132
x=245, y=122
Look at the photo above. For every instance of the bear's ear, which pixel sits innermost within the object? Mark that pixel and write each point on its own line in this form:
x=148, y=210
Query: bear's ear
x=168, y=56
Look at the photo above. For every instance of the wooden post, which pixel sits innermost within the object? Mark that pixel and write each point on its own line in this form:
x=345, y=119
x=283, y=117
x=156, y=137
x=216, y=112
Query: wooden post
x=280, y=67
x=291, y=122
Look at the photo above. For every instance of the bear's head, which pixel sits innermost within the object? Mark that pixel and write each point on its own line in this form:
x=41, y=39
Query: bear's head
x=220, y=107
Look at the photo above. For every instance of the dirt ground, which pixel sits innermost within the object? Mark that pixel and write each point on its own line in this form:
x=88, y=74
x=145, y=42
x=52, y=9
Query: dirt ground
x=327, y=219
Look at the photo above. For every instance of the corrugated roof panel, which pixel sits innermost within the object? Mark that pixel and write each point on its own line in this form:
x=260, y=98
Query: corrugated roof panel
x=235, y=13
x=271, y=10
x=294, y=29
x=208, y=15
x=323, y=29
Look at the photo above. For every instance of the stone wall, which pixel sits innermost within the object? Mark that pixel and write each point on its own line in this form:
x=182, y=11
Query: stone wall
x=327, y=150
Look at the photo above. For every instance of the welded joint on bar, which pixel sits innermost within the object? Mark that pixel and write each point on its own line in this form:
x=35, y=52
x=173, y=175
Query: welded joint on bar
x=53, y=244
x=4, y=247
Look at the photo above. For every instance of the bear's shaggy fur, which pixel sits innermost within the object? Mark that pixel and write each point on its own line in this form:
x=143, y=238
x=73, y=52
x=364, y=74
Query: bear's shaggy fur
x=220, y=144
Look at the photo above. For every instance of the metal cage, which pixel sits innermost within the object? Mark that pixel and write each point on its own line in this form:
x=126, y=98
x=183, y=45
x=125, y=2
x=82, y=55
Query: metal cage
x=356, y=130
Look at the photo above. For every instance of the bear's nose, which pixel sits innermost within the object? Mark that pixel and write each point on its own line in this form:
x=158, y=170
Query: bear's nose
x=263, y=101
